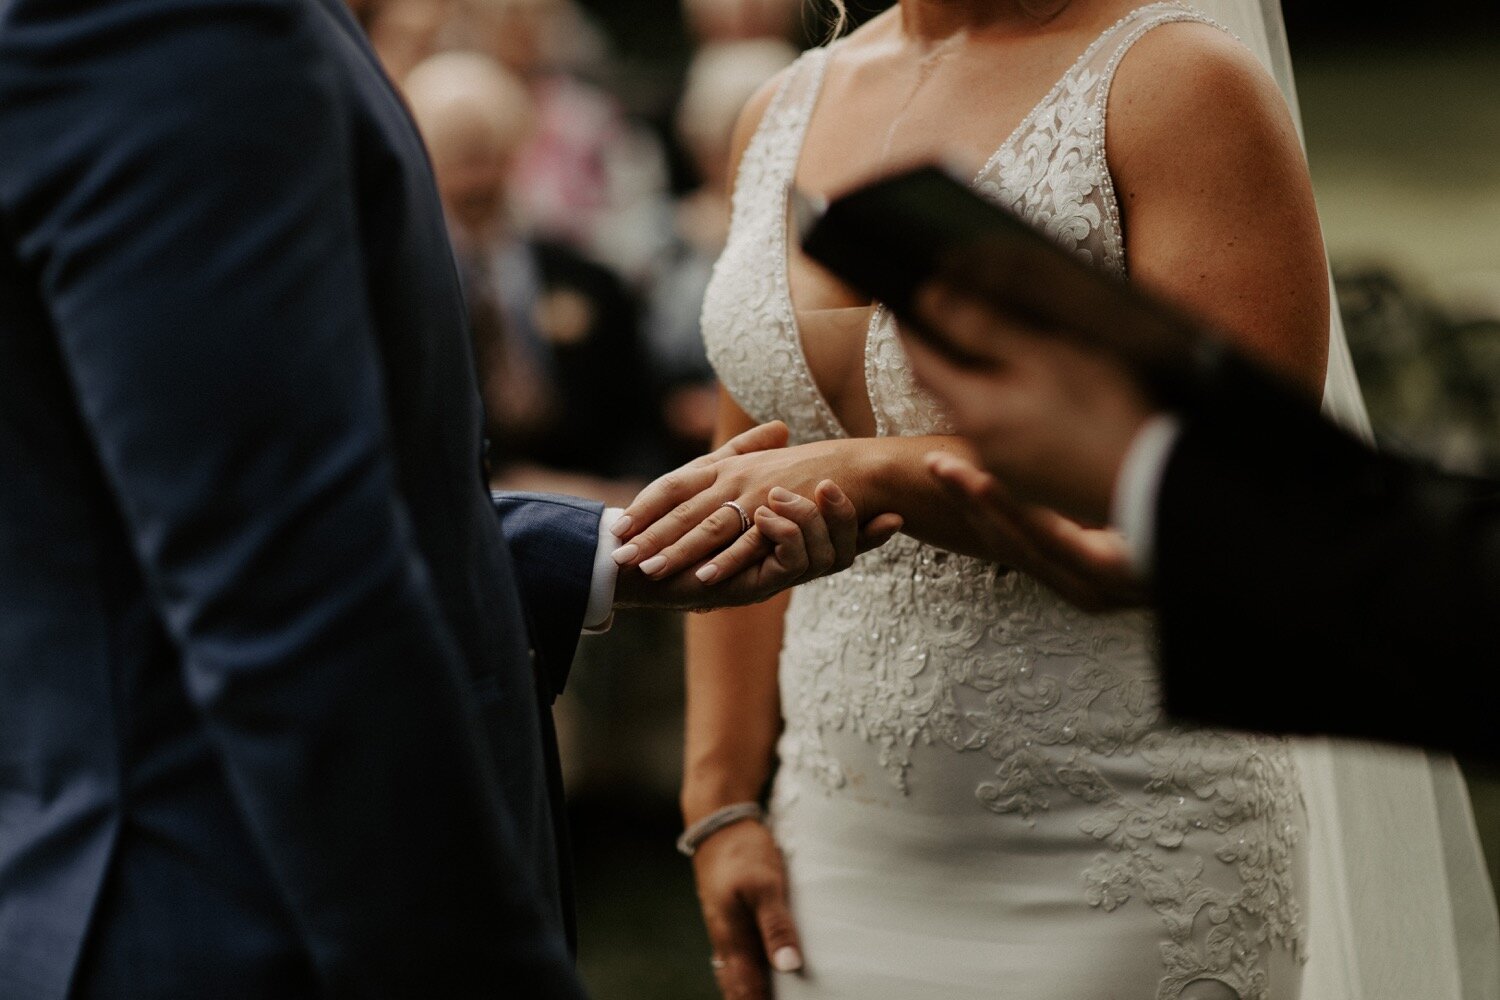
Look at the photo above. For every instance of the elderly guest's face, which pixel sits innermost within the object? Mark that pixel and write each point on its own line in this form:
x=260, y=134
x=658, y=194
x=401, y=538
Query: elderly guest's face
x=472, y=181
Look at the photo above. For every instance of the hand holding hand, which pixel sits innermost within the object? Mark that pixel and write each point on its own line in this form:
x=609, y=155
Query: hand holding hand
x=1089, y=567
x=791, y=539
x=686, y=516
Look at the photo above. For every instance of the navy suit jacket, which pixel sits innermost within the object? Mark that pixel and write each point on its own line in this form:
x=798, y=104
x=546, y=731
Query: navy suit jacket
x=270, y=720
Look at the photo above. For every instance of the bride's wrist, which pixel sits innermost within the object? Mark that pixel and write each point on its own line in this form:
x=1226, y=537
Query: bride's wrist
x=868, y=470
x=887, y=473
x=700, y=799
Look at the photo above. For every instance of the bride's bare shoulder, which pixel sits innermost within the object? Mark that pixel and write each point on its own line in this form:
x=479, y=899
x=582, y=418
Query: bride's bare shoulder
x=1189, y=79
x=1190, y=86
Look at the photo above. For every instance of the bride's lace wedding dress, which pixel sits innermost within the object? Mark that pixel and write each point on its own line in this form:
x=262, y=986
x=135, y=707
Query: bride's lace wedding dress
x=977, y=794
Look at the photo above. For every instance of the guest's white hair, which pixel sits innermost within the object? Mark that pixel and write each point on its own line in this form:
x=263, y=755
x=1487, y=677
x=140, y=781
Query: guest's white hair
x=720, y=79
x=459, y=98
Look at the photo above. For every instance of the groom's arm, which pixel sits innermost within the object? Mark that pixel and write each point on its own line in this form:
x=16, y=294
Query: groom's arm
x=560, y=549
x=182, y=188
x=564, y=550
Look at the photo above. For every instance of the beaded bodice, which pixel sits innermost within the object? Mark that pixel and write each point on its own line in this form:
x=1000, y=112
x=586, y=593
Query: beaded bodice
x=962, y=683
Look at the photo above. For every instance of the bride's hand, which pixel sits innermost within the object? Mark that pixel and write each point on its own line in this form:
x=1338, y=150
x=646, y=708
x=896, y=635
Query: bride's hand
x=742, y=888
x=791, y=541
x=684, y=517
x=1089, y=567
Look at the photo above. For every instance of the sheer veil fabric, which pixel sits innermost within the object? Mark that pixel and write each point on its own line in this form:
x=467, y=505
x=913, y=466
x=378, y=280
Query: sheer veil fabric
x=1402, y=906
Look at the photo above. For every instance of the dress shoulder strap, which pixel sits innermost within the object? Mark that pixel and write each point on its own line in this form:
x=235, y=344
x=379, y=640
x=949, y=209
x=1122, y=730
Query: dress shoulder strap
x=1121, y=38
x=771, y=158
x=791, y=108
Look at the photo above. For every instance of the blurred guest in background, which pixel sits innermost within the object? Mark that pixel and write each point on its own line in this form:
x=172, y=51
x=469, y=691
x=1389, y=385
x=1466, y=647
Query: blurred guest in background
x=716, y=21
x=721, y=78
x=402, y=32
x=566, y=398
x=587, y=175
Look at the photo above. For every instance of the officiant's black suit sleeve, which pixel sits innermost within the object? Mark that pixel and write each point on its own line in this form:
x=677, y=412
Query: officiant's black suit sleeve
x=1307, y=584
x=263, y=653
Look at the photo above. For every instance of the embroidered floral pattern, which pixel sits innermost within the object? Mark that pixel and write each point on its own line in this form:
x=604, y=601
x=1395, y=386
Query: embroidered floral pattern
x=919, y=647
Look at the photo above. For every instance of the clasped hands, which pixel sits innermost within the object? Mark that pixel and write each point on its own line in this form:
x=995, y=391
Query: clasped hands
x=682, y=544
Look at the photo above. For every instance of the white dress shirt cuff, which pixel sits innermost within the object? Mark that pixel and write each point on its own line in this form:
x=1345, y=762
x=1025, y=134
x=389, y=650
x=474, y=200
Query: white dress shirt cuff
x=1133, y=510
x=600, y=613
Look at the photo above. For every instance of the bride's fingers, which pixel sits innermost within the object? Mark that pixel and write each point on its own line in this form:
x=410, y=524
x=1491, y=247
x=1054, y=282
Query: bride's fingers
x=739, y=968
x=662, y=498
x=748, y=550
x=773, y=434
x=778, y=931
x=681, y=485
x=710, y=534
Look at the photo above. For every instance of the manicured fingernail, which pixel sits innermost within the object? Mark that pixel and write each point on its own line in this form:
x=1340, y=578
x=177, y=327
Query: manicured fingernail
x=782, y=496
x=707, y=573
x=624, y=554
x=834, y=493
x=653, y=565
x=621, y=527
x=787, y=960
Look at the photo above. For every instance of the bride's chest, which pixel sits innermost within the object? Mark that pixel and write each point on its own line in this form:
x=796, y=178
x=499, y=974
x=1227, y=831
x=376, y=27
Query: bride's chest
x=778, y=365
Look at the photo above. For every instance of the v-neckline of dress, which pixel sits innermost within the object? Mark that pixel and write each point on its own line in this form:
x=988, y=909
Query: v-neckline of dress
x=809, y=107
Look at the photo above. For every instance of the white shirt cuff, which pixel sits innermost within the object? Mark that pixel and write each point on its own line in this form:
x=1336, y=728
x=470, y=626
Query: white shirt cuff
x=600, y=613
x=1133, y=509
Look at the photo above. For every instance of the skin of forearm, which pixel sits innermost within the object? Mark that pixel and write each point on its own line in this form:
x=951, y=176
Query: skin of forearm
x=733, y=705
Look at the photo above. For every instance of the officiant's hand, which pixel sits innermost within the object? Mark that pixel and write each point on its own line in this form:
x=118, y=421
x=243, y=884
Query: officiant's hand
x=1050, y=419
x=791, y=539
x=1089, y=567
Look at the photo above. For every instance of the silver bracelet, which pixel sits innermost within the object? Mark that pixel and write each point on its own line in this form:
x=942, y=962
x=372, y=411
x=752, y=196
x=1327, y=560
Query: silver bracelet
x=693, y=836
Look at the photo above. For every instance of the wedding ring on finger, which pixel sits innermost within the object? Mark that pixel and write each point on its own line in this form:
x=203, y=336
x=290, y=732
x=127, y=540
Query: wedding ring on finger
x=744, y=518
x=717, y=963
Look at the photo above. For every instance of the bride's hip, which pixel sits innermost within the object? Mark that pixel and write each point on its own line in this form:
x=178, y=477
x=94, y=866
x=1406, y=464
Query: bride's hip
x=1196, y=800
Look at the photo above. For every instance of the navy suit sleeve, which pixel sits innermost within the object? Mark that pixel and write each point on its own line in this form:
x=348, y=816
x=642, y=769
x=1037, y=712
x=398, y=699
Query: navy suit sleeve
x=183, y=189
x=553, y=540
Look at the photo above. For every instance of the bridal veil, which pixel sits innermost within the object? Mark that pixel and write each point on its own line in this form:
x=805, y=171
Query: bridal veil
x=1401, y=903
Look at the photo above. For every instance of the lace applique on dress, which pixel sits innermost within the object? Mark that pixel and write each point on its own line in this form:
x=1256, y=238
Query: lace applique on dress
x=751, y=328
x=916, y=647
